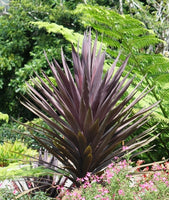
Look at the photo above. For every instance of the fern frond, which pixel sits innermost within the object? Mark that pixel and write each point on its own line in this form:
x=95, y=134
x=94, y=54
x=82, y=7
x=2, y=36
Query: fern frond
x=143, y=41
x=69, y=34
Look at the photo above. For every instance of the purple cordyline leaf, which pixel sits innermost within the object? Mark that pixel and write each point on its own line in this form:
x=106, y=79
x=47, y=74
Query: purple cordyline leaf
x=63, y=84
x=85, y=57
x=56, y=95
x=88, y=121
x=66, y=91
x=36, y=111
x=137, y=99
x=82, y=142
x=108, y=122
x=86, y=164
x=98, y=96
x=67, y=144
x=128, y=123
x=126, y=100
x=120, y=93
x=142, y=135
x=98, y=138
x=66, y=69
x=112, y=84
x=70, y=155
x=71, y=120
x=119, y=72
x=135, y=144
x=74, y=91
x=63, y=93
x=89, y=55
x=140, y=144
x=69, y=107
x=141, y=152
x=101, y=148
x=135, y=116
x=100, y=159
x=43, y=103
x=54, y=152
x=63, y=98
x=71, y=136
x=60, y=156
x=46, y=107
x=102, y=105
x=111, y=137
x=73, y=171
x=51, y=123
x=138, y=114
x=93, y=131
x=97, y=71
x=97, y=77
x=107, y=135
x=78, y=71
x=87, y=151
x=108, y=103
x=48, y=132
x=82, y=150
x=115, y=87
x=124, y=133
x=82, y=113
x=111, y=70
x=93, y=57
x=113, y=90
x=85, y=92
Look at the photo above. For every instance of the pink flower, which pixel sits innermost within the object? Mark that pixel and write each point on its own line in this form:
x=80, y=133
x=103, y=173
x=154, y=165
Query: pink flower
x=88, y=174
x=139, y=162
x=15, y=191
x=78, y=179
x=110, y=166
x=97, y=196
x=167, y=165
x=121, y=192
x=86, y=184
x=124, y=148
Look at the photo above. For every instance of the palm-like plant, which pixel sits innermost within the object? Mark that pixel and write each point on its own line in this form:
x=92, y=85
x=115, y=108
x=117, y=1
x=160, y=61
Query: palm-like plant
x=87, y=116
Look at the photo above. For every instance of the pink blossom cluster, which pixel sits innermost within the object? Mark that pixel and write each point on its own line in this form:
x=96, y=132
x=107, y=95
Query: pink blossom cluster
x=146, y=183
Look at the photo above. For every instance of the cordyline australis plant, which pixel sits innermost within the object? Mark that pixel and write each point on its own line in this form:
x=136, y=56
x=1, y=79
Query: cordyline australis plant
x=86, y=114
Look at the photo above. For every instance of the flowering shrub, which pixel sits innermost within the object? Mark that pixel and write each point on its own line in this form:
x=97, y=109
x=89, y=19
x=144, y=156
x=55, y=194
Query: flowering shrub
x=119, y=181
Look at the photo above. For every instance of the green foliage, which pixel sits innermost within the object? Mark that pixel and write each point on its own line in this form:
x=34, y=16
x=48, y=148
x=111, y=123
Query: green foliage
x=68, y=34
x=14, y=131
x=7, y=134
x=4, y=117
x=15, y=171
x=13, y=152
x=7, y=194
x=22, y=46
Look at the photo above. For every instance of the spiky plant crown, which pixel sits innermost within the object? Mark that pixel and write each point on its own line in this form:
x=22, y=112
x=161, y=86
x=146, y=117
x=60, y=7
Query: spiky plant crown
x=86, y=113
